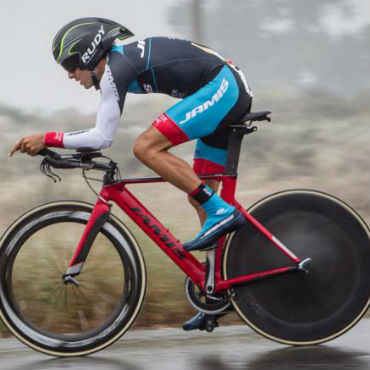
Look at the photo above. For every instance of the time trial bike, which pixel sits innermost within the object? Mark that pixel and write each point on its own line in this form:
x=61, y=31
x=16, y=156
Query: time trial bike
x=72, y=275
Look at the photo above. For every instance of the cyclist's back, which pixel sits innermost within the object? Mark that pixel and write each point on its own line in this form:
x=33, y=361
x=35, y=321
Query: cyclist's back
x=165, y=65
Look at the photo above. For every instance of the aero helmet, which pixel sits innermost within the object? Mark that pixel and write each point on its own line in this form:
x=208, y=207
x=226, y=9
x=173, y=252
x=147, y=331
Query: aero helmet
x=83, y=42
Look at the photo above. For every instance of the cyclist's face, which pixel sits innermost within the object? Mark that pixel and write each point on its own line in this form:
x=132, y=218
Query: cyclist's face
x=83, y=76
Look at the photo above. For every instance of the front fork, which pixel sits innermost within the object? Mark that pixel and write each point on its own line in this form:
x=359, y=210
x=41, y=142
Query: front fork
x=97, y=219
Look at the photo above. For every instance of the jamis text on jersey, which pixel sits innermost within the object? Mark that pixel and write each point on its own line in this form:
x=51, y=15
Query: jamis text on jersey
x=209, y=103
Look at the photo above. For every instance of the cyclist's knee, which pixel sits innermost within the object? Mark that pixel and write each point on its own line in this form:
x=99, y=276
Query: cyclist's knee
x=143, y=149
x=149, y=144
x=139, y=148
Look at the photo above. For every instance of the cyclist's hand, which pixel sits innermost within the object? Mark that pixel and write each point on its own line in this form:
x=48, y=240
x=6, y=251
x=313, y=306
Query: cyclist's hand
x=31, y=145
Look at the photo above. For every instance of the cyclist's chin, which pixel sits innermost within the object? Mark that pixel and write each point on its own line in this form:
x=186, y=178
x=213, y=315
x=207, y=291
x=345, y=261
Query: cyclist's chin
x=86, y=85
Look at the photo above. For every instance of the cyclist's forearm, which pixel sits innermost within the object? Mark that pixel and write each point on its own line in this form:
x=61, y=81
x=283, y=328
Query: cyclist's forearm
x=88, y=139
x=79, y=139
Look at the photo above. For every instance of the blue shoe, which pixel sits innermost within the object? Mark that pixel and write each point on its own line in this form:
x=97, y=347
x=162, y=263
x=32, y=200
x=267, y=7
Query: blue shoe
x=202, y=321
x=215, y=226
x=198, y=321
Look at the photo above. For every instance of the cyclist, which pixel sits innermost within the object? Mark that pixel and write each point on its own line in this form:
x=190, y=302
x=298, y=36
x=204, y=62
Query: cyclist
x=213, y=93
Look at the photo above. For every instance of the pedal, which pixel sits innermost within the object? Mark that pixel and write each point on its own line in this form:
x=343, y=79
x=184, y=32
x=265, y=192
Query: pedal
x=210, y=323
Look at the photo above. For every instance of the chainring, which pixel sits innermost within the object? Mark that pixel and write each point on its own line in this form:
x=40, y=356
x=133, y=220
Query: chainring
x=214, y=304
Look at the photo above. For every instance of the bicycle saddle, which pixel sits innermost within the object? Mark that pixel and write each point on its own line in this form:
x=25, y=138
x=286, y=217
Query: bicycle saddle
x=256, y=116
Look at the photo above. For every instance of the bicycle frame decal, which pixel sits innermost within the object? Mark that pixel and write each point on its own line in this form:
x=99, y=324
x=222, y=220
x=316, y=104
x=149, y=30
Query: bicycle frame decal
x=158, y=231
x=151, y=226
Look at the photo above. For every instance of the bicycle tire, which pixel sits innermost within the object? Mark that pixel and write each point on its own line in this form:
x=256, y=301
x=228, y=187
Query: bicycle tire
x=299, y=308
x=79, y=328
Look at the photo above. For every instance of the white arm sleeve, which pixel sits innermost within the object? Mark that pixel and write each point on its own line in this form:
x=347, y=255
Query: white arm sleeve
x=107, y=120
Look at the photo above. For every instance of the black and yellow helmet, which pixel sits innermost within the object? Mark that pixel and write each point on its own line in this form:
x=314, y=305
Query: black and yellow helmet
x=83, y=42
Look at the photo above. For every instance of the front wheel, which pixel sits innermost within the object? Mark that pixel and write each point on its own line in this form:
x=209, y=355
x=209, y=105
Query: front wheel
x=80, y=317
x=302, y=308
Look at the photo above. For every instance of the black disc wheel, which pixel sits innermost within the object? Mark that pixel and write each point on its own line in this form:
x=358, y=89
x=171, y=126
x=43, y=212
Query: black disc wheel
x=302, y=308
x=80, y=316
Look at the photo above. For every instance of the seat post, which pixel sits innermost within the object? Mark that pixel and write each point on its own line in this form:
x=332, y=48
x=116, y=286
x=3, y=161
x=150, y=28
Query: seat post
x=235, y=142
x=237, y=131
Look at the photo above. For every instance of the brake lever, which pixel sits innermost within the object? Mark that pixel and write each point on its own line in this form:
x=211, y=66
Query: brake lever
x=46, y=171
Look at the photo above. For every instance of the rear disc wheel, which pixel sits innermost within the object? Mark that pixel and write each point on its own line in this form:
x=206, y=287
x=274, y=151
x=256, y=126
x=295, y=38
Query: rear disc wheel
x=300, y=308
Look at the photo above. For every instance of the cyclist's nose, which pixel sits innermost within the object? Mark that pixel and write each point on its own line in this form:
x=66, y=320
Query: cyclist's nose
x=71, y=75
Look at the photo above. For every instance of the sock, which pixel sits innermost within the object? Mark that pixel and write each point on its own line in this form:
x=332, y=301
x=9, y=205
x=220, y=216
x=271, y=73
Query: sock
x=210, y=201
x=202, y=193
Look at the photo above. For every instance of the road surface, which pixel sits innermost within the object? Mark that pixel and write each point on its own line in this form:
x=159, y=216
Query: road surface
x=227, y=348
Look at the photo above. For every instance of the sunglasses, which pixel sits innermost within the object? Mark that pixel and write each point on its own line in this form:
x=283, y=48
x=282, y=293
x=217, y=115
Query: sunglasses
x=71, y=64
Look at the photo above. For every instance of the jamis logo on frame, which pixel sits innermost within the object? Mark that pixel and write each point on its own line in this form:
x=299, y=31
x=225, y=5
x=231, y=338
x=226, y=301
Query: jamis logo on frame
x=97, y=40
x=209, y=103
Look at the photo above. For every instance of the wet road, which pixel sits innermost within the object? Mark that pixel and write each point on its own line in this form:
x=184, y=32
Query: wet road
x=227, y=348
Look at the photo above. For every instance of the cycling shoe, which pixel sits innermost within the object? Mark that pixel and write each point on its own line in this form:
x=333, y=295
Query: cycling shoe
x=215, y=227
x=198, y=321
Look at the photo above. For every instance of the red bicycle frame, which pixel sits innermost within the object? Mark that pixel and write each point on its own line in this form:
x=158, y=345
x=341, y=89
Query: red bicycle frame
x=119, y=194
